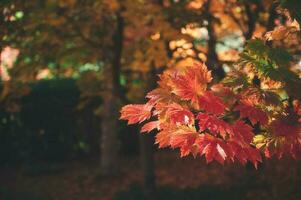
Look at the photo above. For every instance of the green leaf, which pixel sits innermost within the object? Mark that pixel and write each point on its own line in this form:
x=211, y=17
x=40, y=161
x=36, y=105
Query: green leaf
x=280, y=56
x=257, y=46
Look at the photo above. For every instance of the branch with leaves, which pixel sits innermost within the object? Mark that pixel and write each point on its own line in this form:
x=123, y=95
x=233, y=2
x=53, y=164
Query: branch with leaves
x=254, y=110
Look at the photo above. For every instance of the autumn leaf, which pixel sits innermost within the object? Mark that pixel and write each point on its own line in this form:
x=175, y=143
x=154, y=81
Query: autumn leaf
x=254, y=114
x=253, y=155
x=245, y=153
x=213, y=124
x=163, y=137
x=179, y=115
x=136, y=113
x=148, y=127
x=158, y=95
x=285, y=127
x=192, y=84
x=213, y=149
x=242, y=132
x=184, y=138
x=211, y=103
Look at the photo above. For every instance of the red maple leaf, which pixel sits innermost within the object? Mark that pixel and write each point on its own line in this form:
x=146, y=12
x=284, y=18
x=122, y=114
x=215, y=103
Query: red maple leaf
x=164, y=135
x=193, y=83
x=284, y=126
x=163, y=138
x=245, y=153
x=242, y=132
x=136, y=113
x=158, y=95
x=213, y=124
x=291, y=147
x=254, y=114
x=179, y=115
x=251, y=96
x=211, y=103
x=184, y=138
x=213, y=148
x=148, y=127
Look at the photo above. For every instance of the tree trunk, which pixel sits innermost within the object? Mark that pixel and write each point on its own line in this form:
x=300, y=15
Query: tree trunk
x=212, y=58
x=147, y=164
x=251, y=23
x=146, y=142
x=109, y=140
x=272, y=16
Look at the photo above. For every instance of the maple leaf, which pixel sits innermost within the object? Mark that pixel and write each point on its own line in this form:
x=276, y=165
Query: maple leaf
x=213, y=124
x=163, y=139
x=245, y=153
x=254, y=114
x=193, y=83
x=213, y=148
x=136, y=113
x=184, y=138
x=285, y=137
x=158, y=95
x=286, y=126
x=238, y=151
x=179, y=115
x=211, y=103
x=160, y=109
x=253, y=155
x=164, y=135
x=283, y=147
x=242, y=132
x=148, y=127
x=251, y=96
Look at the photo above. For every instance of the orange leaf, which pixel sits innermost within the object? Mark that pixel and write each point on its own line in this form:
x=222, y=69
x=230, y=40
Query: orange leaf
x=148, y=127
x=136, y=113
x=184, y=138
x=192, y=83
x=178, y=114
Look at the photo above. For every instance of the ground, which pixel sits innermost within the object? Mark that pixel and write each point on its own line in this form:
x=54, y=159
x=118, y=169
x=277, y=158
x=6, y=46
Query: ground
x=186, y=178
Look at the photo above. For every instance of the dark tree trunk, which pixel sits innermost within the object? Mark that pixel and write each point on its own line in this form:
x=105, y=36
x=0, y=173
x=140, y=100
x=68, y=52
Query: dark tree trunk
x=147, y=152
x=147, y=164
x=272, y=16
x=212, y=58
x=118, y=38
x=271, y=21
x=88, y=123
x=251, y=23
x=109, y=144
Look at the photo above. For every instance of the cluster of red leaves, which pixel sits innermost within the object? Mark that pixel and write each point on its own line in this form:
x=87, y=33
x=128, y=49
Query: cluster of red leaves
x=201, y=120
x=286, y=133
